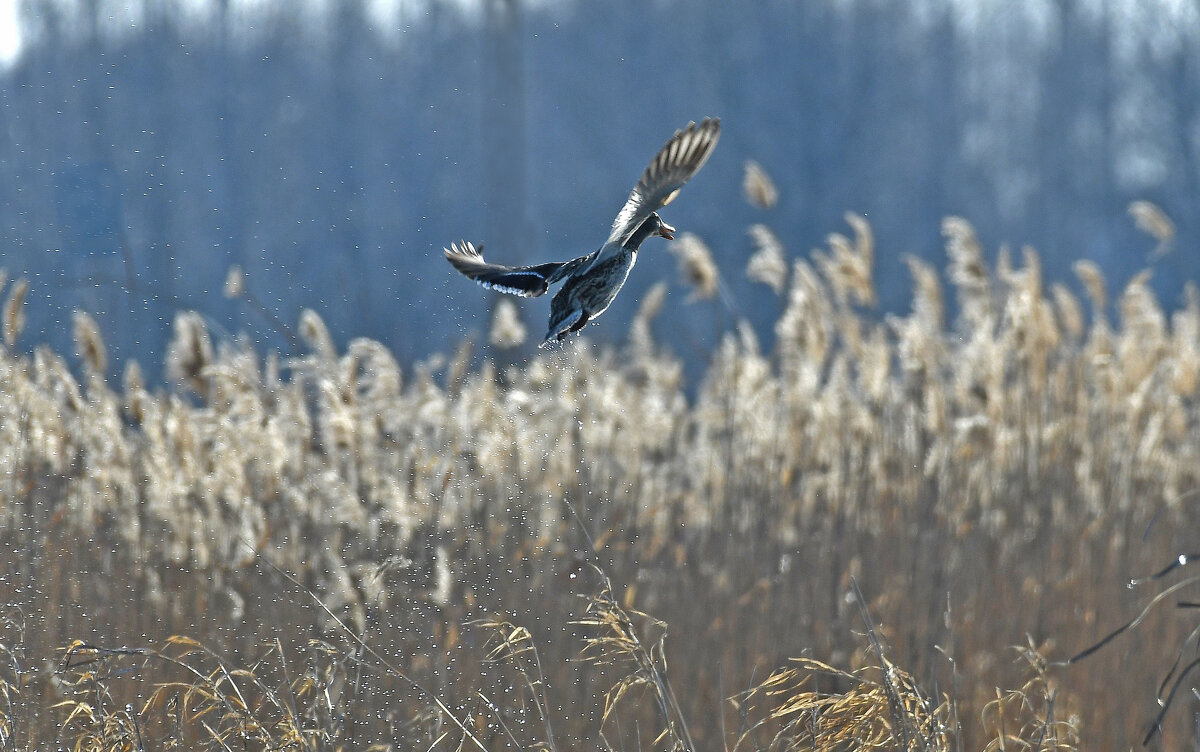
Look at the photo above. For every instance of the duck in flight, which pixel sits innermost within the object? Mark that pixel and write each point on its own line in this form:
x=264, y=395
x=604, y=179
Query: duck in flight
x=592, y=281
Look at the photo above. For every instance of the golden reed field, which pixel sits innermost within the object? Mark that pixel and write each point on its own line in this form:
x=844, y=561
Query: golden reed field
x=886, y=532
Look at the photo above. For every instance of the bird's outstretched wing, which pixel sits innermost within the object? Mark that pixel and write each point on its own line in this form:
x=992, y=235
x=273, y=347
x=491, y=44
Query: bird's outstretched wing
x=681, y=158
x=526, y=281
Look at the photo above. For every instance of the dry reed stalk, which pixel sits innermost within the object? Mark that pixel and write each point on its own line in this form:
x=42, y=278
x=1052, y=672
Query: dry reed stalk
x=89, y=344
x=14, y=312
x=881, y=708
x=758, y=187
x=507, y=330
x=1153, y=221
x=190, y=352
x=1030, y=718
x=696, y=266
x=768, y=264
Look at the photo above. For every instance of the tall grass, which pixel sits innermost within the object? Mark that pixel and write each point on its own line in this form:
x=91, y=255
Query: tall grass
x=988, y=481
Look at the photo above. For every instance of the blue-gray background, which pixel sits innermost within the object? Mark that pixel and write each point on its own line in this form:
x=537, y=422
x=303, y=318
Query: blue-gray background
x=332, y=148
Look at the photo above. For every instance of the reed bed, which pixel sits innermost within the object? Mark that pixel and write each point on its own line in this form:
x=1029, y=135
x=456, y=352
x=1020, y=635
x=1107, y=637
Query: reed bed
x=331, y=550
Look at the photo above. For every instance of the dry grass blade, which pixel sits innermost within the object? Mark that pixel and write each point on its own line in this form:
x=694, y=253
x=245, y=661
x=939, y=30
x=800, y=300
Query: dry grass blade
x=213, y=704
x=856, y=715
x=1026, y=718
x=616, y=642
x=1135, y=621
x=514, y=645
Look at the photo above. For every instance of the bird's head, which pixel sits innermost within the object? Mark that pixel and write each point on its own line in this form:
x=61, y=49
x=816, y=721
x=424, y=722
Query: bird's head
x=651, y=226
x=658, y=227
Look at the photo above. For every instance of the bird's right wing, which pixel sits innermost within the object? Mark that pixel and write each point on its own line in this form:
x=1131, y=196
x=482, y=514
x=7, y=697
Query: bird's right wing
x=526, y=281
x=679, y=159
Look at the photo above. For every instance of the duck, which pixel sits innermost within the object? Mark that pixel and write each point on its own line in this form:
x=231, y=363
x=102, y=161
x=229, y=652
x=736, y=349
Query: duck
x=591, y=282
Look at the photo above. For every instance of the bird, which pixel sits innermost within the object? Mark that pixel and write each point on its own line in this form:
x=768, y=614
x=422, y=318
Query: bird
x=591, y=282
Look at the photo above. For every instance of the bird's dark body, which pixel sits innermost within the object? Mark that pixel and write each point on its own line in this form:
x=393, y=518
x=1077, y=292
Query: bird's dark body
x=590, y=294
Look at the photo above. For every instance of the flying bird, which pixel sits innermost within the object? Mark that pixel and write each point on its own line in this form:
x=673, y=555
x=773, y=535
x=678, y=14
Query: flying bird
x=592, y=281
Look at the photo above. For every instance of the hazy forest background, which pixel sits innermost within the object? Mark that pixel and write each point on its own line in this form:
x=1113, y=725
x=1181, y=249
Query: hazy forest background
x=332, y=148
x=858, y=462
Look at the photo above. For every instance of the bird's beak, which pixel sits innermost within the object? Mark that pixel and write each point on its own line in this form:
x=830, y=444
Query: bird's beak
x=666, y=231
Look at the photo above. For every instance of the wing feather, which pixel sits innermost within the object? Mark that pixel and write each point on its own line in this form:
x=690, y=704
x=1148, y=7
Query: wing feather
x=526, y=281
x=679, y=159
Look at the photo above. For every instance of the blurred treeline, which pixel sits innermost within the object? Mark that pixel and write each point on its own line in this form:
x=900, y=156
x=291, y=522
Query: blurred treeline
x=331, y=149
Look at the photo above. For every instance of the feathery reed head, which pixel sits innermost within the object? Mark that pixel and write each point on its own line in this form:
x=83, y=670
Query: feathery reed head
x=768, y=264
x=190, y=352
x=758, y=187
x=14, y=311
x=1153, y=221
x=235, y=282
x=507, y=329
x=88, y=343
x=696, y=265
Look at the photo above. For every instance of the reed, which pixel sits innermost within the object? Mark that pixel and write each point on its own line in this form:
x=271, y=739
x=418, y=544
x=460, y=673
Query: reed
x=994, y=476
